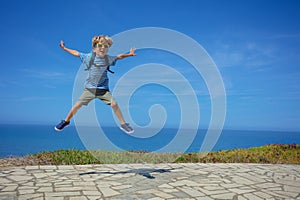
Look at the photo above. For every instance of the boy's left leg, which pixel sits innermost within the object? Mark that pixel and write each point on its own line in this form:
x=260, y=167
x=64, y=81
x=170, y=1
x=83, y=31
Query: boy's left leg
x=117, y=111
x=124, y=126
x=109, y=100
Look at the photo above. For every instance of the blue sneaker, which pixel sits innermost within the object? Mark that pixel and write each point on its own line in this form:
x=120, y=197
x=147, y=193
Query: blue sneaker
x=127, y=128
x=61, y=125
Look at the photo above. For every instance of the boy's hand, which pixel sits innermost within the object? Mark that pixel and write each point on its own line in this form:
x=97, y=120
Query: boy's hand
x=71, y=51
x=132, y=52
x=62, y=44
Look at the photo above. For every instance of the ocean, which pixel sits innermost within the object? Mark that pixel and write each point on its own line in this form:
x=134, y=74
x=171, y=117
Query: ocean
x=21, y=140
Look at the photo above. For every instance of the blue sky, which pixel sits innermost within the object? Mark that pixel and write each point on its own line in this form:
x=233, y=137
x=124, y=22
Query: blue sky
x=254, y=43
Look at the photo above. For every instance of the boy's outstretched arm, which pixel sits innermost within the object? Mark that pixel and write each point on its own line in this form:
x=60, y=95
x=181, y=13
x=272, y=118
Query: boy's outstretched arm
x=70, y=51
x=131, y=53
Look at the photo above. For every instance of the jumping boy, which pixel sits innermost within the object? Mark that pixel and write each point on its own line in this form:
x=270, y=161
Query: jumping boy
x=96, y=85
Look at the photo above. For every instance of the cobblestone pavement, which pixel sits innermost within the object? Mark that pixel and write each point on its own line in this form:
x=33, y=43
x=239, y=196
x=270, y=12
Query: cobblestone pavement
x=151, y=181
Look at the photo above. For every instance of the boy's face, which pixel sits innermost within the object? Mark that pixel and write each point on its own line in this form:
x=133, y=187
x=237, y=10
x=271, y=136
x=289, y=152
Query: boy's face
x=101, y=49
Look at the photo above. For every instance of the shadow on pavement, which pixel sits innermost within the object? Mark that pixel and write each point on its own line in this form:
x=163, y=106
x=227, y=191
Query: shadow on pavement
x=146, y=172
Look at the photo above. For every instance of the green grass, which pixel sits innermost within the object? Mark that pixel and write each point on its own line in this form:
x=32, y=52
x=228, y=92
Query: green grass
x=274, y=154
x=269, y=154
x=82, y=157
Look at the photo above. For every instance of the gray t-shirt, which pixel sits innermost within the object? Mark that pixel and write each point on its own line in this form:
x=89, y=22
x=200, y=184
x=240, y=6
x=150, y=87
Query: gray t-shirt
x=97, y=73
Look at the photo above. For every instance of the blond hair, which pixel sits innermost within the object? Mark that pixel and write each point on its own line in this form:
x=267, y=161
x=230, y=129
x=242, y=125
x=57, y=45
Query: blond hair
x=101, y=39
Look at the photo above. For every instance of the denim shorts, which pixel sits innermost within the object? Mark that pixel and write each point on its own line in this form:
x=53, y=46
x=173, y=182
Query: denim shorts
x=91, y=94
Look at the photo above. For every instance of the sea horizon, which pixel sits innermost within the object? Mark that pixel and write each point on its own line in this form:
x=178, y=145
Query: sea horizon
x=23, y=139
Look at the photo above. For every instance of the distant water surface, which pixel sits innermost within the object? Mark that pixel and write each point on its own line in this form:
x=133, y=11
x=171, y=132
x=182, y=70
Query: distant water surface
x=20, y=140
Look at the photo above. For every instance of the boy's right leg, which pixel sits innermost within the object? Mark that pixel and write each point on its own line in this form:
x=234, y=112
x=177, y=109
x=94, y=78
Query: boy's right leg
x=71, y=113
x=84, y=99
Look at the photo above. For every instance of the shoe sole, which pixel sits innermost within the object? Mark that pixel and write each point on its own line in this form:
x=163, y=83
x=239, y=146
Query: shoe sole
x=57, y=129
x=60, y=129
x=127, y=131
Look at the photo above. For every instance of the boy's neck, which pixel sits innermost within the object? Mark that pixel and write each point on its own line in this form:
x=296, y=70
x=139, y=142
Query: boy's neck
x=102, y=56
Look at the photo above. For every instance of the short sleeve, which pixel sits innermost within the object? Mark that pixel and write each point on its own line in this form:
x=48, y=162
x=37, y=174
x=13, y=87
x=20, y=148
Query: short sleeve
x=84, y=57
x=112, y=60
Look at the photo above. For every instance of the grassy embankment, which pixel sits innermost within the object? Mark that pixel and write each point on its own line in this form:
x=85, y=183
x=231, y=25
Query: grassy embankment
x=269, y=154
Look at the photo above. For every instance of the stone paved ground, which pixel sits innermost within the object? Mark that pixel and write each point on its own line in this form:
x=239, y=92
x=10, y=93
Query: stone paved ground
x=151, y=181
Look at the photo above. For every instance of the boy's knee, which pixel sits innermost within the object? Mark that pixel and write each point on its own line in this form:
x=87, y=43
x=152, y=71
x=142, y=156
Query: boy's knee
x=78, y=105
x=113, y=104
